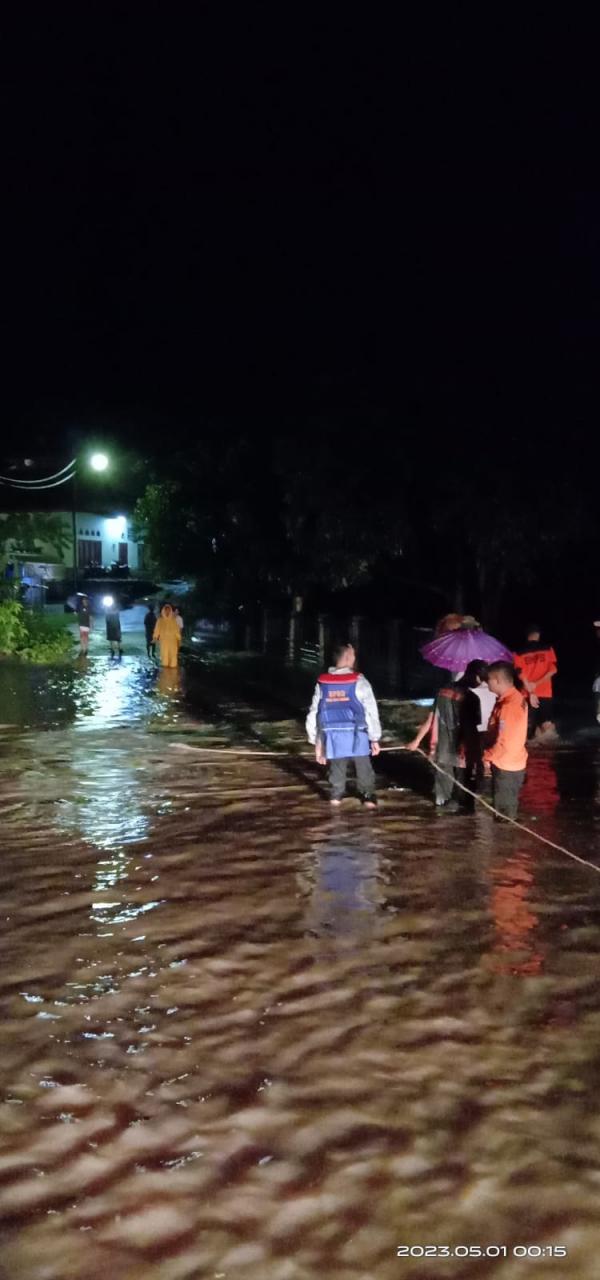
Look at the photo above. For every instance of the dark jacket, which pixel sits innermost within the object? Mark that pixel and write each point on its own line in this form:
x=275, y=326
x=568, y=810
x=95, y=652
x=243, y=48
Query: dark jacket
x=113, y=627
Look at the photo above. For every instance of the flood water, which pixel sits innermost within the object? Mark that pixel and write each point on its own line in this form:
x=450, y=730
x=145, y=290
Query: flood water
x=243, y=1037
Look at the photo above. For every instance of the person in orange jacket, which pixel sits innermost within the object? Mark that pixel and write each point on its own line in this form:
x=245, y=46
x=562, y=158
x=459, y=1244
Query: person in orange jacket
x=506, y=751
x=537, y=665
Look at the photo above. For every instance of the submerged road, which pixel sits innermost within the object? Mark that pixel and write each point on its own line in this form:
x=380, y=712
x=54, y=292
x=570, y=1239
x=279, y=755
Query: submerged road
x=242, y=1037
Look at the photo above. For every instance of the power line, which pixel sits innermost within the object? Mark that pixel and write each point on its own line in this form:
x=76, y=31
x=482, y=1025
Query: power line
x=40, y=487
x=43, y=480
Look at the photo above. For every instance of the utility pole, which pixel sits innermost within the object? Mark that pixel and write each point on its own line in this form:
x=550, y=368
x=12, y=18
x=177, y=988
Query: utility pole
x=74, y=528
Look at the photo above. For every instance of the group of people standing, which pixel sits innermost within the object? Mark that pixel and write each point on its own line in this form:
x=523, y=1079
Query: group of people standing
x=113, y=627
x=479, y=726
x=164, y=630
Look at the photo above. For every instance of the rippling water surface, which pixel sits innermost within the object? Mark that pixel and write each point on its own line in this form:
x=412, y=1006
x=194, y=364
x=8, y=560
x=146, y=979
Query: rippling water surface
x=242, y=1037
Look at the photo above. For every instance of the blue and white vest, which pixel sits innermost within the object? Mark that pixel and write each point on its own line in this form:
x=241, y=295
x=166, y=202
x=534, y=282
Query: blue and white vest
x=341, y=717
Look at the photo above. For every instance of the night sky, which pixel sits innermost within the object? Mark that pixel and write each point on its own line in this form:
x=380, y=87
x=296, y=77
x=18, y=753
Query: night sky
x=254, y=214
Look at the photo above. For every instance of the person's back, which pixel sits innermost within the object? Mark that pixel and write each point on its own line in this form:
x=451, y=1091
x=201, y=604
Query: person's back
x=113, y=626
x=343, y=724
x=537, y=665
x=149, y=625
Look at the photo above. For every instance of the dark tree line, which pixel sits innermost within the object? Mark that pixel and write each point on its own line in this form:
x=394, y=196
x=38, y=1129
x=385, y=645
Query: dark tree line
x=332, y=509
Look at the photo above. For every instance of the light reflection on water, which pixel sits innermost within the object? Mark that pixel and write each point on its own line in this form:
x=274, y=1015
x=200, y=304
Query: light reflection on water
x=253, y=1039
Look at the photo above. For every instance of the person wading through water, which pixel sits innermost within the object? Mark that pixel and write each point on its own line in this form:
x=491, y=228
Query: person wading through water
x=343, y=725
x=536, y=665
x=506, y=736
x=149, y=625
x=168, y=635
x=443, y=724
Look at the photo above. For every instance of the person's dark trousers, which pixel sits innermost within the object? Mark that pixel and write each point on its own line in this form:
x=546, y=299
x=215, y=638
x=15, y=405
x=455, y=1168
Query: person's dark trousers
x=537, y=716
x=471, y=776
x=151, y=649
x=506, y=788
x=365, y=776
x=444, y=782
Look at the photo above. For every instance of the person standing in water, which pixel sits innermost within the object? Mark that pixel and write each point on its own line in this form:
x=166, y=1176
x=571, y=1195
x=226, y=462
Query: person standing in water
x=443, y=725
x=475, y=711
x=507, y=735
x=149, y=625
x=168, y=636
x=537, y=665
x=113, y=630
x=343, y=725
x=85, y=625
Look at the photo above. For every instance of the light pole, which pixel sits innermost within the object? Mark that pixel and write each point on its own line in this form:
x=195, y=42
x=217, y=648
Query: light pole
x=98, y=462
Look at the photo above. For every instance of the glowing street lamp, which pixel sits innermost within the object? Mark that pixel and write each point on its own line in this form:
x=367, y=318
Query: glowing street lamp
x=99, y=462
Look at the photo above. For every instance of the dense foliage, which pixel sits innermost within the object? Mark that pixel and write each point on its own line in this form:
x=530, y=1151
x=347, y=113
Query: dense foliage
x=486, y=524
x=28, y=533
x=32, y=636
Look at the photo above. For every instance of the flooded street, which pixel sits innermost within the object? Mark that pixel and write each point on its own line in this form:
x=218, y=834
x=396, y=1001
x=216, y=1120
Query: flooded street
x=244, y=1037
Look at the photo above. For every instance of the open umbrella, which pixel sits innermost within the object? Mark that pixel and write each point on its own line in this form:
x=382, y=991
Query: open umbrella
x=456, y=649
x=73, y=601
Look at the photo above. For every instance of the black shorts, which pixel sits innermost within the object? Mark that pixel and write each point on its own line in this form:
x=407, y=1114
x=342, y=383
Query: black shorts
x=545, y=710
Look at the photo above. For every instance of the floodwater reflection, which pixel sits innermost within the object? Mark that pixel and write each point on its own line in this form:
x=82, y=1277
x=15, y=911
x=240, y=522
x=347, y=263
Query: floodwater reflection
x=243, y=1037
x=342, y=880
x=516, y=949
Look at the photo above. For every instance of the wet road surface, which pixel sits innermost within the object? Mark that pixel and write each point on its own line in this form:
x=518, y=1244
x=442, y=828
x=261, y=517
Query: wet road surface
x=243, y=1037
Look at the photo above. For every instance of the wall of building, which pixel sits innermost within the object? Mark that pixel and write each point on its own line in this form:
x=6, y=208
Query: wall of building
x=112, y=533
x=102, y=540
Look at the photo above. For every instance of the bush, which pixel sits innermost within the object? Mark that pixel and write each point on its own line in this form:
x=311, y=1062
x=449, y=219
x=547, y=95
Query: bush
x=13, y=632
x=34, y=637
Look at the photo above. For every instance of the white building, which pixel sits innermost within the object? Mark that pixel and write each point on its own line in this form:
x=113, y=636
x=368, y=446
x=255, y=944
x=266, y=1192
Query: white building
x=106, y=540
x=102, y=542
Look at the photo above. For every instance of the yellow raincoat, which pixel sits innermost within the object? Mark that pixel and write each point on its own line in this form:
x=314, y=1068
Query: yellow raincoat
x=167, y=633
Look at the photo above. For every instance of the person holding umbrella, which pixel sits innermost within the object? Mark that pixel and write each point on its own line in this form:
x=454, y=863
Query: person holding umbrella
x=453, y=649
x=444, y=724
x=85, y=624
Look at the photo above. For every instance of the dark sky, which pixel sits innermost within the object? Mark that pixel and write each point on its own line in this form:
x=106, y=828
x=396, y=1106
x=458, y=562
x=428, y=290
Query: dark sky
x=258, y=212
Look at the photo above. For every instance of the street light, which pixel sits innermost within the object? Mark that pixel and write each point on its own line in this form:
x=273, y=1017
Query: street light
x=98, y=462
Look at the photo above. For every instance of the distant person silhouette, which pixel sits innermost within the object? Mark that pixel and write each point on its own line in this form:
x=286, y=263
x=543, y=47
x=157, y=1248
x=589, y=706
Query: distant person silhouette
x=113, y=631
x=149, y=626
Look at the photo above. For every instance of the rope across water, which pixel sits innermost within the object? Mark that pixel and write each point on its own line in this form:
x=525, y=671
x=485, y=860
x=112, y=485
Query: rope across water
x=249, y=751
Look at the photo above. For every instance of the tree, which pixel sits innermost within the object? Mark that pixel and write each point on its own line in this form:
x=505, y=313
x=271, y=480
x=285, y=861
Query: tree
x=29, y=533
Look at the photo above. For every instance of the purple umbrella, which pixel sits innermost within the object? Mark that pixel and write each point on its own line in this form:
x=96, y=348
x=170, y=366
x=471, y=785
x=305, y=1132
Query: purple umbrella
x=456, y=649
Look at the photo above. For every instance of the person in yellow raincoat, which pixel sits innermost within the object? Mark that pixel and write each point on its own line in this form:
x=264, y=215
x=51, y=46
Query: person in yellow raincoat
x=168, y=635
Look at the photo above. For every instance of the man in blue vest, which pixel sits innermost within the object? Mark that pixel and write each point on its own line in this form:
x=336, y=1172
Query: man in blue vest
x=343, y=724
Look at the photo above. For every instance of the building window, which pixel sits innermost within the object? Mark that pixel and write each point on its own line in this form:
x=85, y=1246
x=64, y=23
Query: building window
x=123, y=553
x=89, y=553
